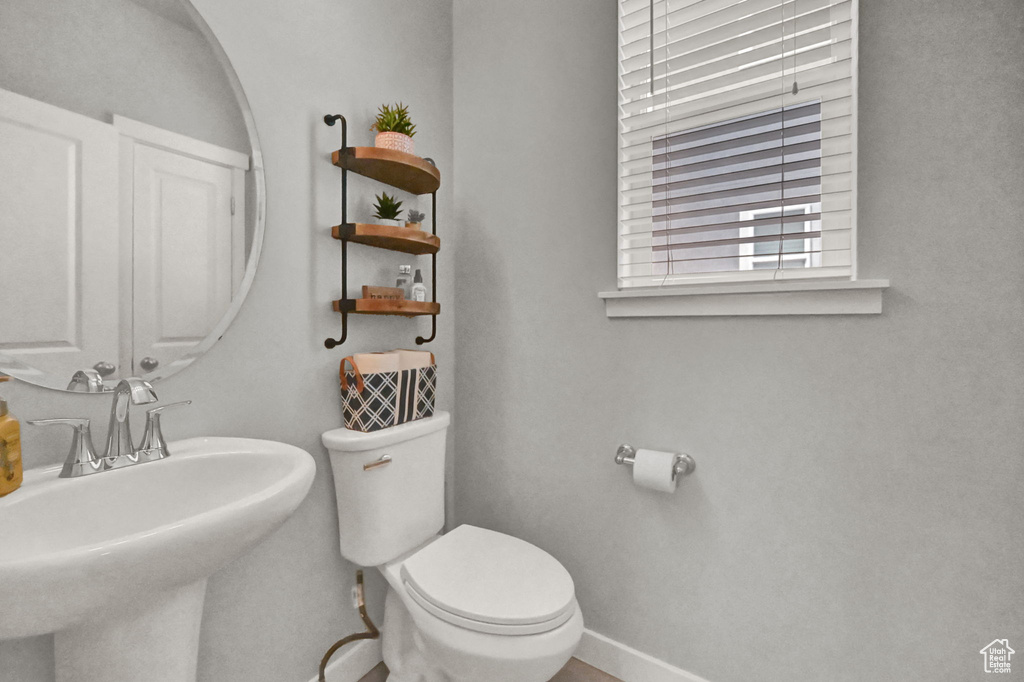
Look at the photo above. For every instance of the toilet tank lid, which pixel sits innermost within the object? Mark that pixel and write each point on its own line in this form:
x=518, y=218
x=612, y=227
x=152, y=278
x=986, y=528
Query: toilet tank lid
x=345, y=440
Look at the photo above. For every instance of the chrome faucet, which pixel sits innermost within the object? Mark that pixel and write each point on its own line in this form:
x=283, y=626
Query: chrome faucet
x=86, y=381
x=121, y=451
x=120, y=448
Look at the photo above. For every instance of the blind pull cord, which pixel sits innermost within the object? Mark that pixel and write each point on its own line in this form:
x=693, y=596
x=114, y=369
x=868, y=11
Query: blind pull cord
x=782, y=121
x=796, y=88
x=652, y=45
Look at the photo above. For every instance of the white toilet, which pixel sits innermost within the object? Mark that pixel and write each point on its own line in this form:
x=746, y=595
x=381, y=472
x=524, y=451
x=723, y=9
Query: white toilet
x=473, y=605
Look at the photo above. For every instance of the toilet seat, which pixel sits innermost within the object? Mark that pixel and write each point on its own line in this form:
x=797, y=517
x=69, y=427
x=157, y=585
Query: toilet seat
x=490, y=582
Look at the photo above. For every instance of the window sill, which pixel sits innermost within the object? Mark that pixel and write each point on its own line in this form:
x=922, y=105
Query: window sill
x=823, y=297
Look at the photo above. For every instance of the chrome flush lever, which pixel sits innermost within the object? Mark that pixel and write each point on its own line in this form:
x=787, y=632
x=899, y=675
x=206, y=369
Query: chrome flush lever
x=383, y=461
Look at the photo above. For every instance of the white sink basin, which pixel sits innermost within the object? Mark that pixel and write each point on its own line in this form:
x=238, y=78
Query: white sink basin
x=126, y=553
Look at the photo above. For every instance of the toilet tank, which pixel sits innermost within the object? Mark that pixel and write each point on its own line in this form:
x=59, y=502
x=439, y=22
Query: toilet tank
x=389, y=509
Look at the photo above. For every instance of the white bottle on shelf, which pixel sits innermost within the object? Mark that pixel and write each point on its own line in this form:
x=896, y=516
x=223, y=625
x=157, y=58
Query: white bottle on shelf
x=419, y=289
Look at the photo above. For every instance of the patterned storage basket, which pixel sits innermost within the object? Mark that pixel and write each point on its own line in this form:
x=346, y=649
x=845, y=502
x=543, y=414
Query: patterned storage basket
x=368, y=402
x=377, y=400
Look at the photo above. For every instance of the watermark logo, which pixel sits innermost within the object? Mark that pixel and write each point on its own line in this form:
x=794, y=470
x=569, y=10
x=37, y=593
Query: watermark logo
x=997, y=656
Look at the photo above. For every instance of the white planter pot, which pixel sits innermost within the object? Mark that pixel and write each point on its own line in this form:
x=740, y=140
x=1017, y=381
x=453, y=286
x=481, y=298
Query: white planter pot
x=397, y=141
x=384, y=221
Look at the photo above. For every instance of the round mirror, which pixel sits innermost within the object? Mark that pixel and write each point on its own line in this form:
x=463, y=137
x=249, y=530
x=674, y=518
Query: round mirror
x=131, y=191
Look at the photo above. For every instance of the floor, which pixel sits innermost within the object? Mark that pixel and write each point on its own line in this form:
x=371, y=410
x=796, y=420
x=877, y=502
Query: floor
x=574, y=671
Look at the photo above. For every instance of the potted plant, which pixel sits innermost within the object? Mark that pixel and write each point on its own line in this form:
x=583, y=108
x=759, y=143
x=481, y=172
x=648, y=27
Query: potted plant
x=415, y=220
x=388, y=210
x=394, y=128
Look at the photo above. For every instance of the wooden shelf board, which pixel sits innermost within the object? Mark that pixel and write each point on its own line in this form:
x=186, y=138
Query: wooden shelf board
x=404, y=239
x=405, y=171
x=366, y=306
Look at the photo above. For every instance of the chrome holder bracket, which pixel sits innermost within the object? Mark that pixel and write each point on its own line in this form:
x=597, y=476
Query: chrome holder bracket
x=684, y=464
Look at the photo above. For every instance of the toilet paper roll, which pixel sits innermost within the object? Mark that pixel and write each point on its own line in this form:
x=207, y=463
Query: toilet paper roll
x=370, y=363
x=653, y=469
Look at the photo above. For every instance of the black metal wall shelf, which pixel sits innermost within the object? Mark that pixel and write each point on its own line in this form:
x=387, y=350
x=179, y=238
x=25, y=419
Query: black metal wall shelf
x=405, y=172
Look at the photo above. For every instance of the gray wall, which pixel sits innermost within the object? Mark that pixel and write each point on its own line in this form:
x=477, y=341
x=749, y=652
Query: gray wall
x=104, y=57
x=855, y=514
x=271, y=614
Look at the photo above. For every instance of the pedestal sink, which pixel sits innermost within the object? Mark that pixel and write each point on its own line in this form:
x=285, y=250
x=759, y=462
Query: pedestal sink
x=116, y=563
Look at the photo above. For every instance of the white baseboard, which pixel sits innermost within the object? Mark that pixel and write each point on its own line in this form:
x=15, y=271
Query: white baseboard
x=614, y=658
x=626, y=663
x=352, y=662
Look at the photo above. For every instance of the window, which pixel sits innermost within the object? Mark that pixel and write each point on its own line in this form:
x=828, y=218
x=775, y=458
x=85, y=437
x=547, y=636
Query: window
x=737, y=120
x=772, y=252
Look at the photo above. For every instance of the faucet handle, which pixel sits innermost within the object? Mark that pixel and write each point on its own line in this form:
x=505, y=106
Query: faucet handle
x=153, y=445
x=159, y=410
x=82, y=458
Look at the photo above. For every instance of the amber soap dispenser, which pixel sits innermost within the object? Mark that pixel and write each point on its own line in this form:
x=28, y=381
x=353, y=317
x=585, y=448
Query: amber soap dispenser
x=10, y=449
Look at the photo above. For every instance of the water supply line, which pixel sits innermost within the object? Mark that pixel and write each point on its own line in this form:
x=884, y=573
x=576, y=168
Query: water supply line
x=371, y=630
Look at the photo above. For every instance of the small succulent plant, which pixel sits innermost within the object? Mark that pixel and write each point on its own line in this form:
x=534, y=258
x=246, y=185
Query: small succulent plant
x=416, y=216
x=394, y=119
x=387, y=207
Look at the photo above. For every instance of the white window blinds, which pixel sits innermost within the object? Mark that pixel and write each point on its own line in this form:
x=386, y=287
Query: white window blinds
x=736, y=131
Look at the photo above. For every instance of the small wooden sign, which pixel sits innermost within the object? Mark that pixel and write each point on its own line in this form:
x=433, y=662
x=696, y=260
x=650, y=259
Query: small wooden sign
x=383, y=293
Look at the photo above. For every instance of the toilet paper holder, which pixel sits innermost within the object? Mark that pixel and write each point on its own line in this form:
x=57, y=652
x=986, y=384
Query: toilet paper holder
x=683, y=466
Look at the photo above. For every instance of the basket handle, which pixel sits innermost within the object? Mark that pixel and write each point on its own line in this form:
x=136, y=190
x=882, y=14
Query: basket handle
x=344, y=380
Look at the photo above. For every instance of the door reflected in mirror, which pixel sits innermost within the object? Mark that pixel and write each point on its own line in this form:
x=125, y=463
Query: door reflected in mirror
x=131, y=194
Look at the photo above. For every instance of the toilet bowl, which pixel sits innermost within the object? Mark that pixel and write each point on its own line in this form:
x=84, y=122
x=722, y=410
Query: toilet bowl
x=487, y=606
x=471, y=605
